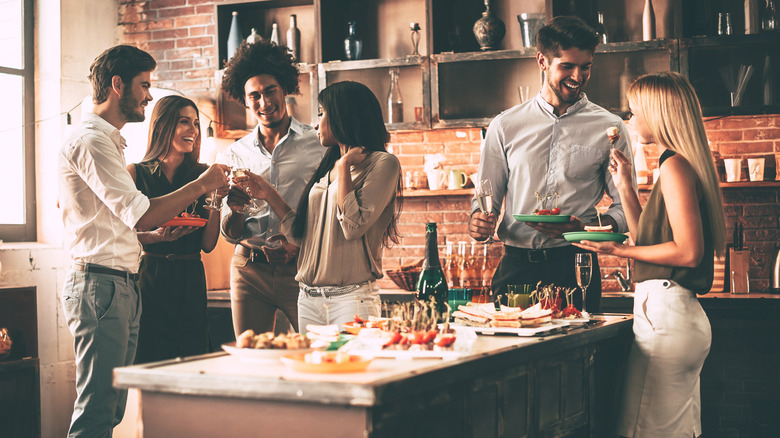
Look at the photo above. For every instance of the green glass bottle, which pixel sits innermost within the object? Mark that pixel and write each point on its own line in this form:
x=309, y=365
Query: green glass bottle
x=432, y=283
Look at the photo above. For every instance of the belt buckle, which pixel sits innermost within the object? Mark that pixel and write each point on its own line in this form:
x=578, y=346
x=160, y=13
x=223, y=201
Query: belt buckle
x=537, y=255
x=252, y=255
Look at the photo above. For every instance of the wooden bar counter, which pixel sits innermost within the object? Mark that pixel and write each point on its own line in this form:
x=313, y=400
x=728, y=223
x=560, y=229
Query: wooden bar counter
x=563, y=384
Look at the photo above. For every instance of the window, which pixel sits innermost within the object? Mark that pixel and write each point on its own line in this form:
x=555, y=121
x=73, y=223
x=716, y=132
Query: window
x=17, y=143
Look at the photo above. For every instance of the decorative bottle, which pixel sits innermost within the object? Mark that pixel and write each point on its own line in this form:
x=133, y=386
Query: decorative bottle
x=648, y=21
x=253, y=37
x=489, y=30
x=395, y=104
x=601, y=31
x=768, y=80
x=432, y=284
x=353, y=46
x=275, y=33
x=488, y=267
x=769, y=17
x=234, y=36
x=294, y=38
x=625, y=82
x=452, y=266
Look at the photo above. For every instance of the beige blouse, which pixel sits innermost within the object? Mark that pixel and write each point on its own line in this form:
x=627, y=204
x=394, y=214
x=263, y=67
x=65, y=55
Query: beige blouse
x=344, y=247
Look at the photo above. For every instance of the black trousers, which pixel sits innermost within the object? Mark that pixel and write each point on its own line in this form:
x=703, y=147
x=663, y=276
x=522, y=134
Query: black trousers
x=550, y=266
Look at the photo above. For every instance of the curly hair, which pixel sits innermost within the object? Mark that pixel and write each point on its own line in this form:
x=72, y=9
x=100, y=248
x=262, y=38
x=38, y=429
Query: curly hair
x=253, y=59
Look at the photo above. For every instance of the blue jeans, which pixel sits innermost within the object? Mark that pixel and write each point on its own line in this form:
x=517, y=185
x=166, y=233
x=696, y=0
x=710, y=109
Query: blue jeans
x=103, y=313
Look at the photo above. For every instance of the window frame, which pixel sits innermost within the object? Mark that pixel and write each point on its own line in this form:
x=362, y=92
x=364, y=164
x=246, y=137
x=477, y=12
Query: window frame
x=27, y=231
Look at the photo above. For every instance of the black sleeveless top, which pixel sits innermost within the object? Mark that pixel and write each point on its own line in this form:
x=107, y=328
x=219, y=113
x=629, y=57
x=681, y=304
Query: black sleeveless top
x=152, y=182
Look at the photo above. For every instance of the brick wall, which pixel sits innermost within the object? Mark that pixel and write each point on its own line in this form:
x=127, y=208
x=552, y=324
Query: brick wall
x=181, y=35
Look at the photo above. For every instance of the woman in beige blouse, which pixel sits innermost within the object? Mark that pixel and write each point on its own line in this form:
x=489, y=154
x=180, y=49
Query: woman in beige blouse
x=347, y=212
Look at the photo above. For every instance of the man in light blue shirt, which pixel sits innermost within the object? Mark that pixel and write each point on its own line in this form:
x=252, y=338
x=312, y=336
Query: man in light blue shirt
x=283, y=151
x=554, y=144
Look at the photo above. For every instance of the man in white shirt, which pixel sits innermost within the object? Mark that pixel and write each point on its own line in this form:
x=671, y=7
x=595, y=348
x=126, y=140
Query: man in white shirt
x=286, y=153
x=552, y=145
x=101, y=209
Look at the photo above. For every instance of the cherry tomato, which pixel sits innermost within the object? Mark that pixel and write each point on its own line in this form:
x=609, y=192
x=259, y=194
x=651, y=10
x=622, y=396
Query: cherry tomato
x=358, y=319
x=555, y=210
x=446, y=340
x=543, y=212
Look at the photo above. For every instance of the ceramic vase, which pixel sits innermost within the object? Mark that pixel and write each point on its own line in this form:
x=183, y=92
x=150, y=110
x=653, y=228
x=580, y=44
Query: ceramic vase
x=489, y=30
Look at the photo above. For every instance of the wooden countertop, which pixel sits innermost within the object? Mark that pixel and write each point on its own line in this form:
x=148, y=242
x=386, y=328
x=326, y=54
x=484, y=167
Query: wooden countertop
x=219, y=374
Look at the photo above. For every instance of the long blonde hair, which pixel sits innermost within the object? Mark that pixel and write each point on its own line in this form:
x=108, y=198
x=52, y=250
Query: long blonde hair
x=673, y=115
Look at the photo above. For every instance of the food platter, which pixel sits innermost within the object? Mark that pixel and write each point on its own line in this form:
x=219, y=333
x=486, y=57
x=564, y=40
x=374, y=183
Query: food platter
x=548, y=218
x=553, y=326
x=260, y=354
x=354, y=364
x=186, y=222
x=596, y=236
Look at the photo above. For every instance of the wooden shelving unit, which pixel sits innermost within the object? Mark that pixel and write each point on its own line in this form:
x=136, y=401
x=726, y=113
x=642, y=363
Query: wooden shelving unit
x=457, y=85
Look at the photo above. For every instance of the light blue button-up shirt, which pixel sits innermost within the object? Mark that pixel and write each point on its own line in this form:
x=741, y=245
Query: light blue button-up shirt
x=528, y=149
x=288, y=169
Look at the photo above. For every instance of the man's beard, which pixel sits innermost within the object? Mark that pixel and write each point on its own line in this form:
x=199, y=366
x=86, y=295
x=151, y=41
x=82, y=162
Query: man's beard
x=128, y=107
x=559, y=92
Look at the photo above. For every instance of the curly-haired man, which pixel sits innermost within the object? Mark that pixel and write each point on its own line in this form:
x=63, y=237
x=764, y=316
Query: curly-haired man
x=283, y=151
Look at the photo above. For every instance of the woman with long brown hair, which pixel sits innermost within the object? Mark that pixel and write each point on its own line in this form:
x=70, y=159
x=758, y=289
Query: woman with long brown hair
x=676, y=234
x=347, y=212
x=172, y=279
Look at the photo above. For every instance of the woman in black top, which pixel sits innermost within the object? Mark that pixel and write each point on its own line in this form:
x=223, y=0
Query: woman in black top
x=171, y=275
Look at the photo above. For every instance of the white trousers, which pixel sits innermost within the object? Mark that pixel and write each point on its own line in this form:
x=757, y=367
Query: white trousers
x=672, y=338
x=323, y=309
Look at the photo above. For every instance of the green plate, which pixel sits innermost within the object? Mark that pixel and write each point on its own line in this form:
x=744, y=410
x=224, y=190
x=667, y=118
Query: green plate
x=596, y=236
x=550, y=218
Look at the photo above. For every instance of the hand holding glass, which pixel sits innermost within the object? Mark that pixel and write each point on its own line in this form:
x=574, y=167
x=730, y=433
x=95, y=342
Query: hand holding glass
x=484, y=194
x=212, y=203
x=239, y=169
x=583, y=267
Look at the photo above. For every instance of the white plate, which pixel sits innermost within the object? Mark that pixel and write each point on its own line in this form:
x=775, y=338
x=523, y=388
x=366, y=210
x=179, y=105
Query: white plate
x=575, y=321
x=409, y=354
x=260, y=354
x=519, y=331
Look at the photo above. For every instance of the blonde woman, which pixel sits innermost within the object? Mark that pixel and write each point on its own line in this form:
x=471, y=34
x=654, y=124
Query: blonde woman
x=676, y=234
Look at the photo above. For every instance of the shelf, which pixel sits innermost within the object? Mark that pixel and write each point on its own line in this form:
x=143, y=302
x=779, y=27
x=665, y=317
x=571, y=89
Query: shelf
x=750, y=185
x=414, y=80
x=408, y=193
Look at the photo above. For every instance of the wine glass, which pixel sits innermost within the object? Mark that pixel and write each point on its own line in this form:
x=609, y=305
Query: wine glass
x=583, y=267
x=212, y=202
x=239, y=168
x=484, y=194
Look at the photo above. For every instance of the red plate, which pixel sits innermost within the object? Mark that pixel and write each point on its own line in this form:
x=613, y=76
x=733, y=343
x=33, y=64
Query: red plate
x=186, y=222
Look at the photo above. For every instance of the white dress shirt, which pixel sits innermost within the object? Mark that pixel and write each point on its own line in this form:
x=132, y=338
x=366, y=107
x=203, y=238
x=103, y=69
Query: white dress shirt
x=288, y=169
x=99, y=201
x=528, y=149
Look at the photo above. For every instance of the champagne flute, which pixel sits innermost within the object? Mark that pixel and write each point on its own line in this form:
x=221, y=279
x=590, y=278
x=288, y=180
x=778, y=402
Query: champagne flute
x=484, y=194
x=239, y=169
x=583, y=267
x=212, y=203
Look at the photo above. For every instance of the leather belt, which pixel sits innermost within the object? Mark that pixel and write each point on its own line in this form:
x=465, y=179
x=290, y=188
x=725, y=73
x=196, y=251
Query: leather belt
x=97, y=269
x=331, y=291
x=254, y=255
x=194, y=256
x=541, y=255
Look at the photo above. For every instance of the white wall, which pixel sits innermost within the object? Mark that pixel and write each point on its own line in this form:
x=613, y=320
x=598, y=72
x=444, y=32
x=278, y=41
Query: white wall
x=69, y=34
